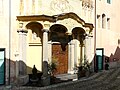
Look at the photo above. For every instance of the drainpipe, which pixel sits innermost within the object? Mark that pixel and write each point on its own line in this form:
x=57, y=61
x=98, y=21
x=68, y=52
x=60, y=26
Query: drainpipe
x=9, y=40
x=95, y=38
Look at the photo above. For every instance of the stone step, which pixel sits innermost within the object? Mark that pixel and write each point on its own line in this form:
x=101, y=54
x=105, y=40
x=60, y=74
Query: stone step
x=66, y=76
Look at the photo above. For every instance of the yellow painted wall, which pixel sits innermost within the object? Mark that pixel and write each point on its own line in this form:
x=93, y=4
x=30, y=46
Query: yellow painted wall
x=34, y=57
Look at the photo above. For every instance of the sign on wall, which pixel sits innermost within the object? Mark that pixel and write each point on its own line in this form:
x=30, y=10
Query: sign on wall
x=2, y=66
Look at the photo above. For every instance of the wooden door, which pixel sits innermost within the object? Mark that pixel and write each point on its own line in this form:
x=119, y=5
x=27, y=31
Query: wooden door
x=61, y=58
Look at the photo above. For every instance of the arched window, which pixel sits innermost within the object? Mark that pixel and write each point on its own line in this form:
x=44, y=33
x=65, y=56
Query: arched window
x=103, y=21
x=98, y=21
x=108, y=23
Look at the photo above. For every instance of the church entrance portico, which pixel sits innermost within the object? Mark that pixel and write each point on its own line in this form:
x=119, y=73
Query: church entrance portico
x=60, y=40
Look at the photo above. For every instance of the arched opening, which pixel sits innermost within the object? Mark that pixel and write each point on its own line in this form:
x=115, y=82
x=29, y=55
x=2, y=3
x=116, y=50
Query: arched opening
x=34, y=50
x=80, y=34
x=34, y=29
x=103, y=21
x=59, y=47
x=58, y=34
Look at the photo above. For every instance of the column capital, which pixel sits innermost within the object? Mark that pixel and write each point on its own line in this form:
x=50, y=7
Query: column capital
x=22, y=31
x=45, y=30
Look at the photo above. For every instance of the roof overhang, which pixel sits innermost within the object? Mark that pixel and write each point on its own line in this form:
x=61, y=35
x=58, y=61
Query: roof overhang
x=55, y=18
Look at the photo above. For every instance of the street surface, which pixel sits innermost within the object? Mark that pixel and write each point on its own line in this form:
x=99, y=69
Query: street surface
x=104, y=80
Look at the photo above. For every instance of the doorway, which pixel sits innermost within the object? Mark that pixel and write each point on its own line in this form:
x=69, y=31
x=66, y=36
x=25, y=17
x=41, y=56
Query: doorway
x=99, y=59
x=61, y=57
x=2, y=66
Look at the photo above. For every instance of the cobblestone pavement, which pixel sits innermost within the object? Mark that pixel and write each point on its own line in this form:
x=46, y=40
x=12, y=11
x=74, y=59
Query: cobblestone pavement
x=104, y=80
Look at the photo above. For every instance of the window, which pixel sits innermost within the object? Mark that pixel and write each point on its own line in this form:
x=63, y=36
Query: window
x=118, y=41
x=108, y=23
x=98, y=20
x=109, y=1
x=103, y=21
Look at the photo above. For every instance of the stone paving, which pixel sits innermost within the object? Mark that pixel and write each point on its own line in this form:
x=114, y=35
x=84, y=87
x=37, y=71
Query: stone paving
x=104, y=80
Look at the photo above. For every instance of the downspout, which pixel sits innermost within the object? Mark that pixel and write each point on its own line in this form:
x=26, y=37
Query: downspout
x=9, y=40
x=95, y=39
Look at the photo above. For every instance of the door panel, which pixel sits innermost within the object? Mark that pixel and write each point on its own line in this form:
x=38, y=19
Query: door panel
x=61, y=58
x=2, y=66
x=99, y=59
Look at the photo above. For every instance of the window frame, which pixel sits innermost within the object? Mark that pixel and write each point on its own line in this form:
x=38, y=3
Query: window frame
x=109, y=1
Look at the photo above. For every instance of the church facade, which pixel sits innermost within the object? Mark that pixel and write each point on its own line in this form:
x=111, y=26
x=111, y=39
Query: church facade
x=56, y=32
x=66, y=32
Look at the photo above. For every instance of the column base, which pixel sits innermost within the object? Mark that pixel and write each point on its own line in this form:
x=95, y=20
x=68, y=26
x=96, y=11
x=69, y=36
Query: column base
x=22, y=80
x=72, y=71
x=45, y=80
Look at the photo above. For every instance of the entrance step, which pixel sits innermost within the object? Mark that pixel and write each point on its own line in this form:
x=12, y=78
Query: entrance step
x=66, y=77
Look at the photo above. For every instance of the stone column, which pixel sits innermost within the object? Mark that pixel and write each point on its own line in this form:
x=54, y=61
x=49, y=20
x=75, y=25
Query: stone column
x=45, y=79
x=88, y=48
x=82, y=53
x=76, y=53
x=22, y=51
x=45, y=45
x=85, y=49
x=50, y=51
x=71, y=60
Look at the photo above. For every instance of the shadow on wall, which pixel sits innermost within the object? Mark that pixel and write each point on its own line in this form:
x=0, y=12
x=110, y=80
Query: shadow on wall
x=113, y=59
x=116, y=56
x=16, y=68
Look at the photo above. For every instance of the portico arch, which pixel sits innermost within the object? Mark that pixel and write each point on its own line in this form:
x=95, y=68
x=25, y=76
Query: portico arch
x=34, y=43
x=80, y=34
x=59, y=47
